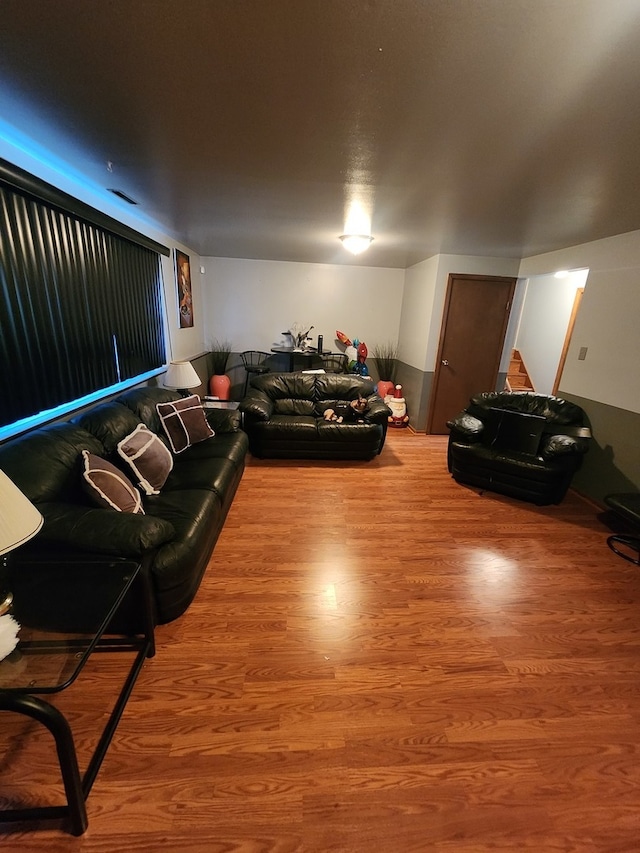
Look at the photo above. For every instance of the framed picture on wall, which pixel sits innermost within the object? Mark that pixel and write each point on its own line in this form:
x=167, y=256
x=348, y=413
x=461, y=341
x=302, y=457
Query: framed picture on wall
x=183, y=283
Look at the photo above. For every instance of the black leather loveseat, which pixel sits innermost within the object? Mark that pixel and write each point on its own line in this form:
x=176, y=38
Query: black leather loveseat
x=181, y=523
x=284, y=417
x=520, y=444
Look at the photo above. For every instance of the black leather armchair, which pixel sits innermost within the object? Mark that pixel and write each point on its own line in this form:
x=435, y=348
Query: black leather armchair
x=531, y=452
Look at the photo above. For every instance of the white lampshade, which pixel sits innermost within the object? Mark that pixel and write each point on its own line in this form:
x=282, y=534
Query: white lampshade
x=181, y=374
x=19, y=519
x=356, y=243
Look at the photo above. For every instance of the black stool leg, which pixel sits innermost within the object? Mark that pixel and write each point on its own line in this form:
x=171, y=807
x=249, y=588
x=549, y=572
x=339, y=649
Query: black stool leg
x=630, y=542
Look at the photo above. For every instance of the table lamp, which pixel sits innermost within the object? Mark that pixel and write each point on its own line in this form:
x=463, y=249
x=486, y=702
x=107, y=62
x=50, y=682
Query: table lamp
x=19, y=522
x=181, y=376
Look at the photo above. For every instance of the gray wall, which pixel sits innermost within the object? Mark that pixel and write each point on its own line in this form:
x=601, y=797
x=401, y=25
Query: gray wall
x=613, y=461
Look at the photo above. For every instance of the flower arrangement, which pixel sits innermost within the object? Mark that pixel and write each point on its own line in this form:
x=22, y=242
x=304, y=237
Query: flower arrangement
x=220, y=352
x=385, y=356
x=298, y=336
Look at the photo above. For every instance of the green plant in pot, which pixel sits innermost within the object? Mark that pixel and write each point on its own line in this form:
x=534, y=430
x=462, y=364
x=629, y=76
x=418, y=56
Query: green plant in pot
x=219, y=383
x=386, y=356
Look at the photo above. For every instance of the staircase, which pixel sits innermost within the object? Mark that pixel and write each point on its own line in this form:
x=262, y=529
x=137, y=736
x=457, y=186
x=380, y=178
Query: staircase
x=518, y=378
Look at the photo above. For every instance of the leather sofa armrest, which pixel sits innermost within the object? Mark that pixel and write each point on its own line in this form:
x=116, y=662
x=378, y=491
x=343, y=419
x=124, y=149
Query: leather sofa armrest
x=378, y=412
x=465, y=426
x=224, y=420
x=106, y=531
x=257, y=406
x=553, y=446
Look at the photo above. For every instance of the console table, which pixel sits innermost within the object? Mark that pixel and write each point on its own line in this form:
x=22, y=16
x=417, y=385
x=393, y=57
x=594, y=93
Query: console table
x=48, y=597
x=305, y=354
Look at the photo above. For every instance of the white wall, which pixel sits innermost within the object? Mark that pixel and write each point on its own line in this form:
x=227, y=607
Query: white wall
x=425, y=293
x=417, y=309
x=543, y=325
x=607, y=323
x=251, y=302
x=181, y=343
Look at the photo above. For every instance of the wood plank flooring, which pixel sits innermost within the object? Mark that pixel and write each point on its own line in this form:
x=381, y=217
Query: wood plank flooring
x=378, y=659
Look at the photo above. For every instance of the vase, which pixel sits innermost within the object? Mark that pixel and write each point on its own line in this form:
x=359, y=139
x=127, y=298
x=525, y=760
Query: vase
x=385, y=387
x=220, y=386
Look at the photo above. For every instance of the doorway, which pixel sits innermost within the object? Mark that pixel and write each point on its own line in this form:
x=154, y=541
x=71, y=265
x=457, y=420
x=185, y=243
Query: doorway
x=549, y=311
x=472, y=337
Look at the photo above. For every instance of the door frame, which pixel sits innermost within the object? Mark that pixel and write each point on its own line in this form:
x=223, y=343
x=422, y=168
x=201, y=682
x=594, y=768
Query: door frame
x=565, y=347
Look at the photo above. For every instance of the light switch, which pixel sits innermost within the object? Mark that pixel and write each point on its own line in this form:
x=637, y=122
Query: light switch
x=582, y=354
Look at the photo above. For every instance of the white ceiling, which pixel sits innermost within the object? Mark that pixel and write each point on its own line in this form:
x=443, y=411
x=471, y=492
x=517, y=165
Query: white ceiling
x=246, y=127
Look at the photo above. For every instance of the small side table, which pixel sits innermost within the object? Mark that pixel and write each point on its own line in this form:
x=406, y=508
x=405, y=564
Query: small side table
x=48, y=597
x=230, y=405
x=306, y=354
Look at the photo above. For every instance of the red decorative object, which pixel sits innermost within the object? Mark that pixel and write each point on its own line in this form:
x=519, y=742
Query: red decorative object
x=398, y=406
x=385, y=387
x=220, y=386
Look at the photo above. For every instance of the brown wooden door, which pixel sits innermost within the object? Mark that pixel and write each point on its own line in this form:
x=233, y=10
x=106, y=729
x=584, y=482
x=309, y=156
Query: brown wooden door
x=474, y=325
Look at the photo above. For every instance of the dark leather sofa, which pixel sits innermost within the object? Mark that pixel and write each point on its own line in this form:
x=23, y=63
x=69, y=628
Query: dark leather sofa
x=531, y=459
x=284, y=417
x=176, y=535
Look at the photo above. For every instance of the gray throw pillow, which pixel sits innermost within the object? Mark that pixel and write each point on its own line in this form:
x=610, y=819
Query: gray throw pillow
x=150, y=461
x=184, y=422
x=107, y=486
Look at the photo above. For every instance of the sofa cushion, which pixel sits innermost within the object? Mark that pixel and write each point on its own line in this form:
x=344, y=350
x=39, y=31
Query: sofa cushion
x=290, y=407
x=216, y=475
x=108, y=487
x=197, y=517
x=227, y=445
x=184, y=422
x=554, y=410
x=109, y=422
x=143, y=401
x=45, y=464
x=150, y=461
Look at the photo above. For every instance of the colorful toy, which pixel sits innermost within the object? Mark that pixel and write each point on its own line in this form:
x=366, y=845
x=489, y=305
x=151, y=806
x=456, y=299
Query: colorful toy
x=356, y=352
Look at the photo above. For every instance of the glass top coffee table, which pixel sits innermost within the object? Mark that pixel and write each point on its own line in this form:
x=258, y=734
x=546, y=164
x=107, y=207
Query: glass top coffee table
x=65, y=611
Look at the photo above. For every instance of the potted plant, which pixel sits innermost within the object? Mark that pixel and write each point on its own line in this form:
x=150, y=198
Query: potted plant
x=385, y=356
x=219, y=383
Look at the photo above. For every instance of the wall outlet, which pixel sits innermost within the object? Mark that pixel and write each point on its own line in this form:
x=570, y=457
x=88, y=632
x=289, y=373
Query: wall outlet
x=583, y=353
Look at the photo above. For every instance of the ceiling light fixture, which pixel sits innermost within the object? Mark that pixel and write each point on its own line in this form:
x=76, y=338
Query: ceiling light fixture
x=356, y=243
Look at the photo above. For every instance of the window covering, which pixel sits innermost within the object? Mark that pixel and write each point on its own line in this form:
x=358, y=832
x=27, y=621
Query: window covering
x=80, y=306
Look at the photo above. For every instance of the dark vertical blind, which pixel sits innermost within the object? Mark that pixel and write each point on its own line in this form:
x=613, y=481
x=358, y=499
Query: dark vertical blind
x=80, y=307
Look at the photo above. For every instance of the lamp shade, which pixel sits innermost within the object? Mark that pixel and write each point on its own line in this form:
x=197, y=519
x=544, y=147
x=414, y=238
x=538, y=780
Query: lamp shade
x=181, y=374
x=19, y=519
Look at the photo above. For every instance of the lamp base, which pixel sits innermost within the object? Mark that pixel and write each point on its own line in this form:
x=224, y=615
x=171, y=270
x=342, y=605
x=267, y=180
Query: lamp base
x=5, y=604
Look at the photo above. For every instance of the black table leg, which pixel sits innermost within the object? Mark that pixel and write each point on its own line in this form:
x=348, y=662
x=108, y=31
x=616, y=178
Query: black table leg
x=625, y=546
x=50, y=717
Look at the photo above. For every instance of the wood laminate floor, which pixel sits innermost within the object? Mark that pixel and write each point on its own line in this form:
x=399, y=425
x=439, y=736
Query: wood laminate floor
x=378, y=659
